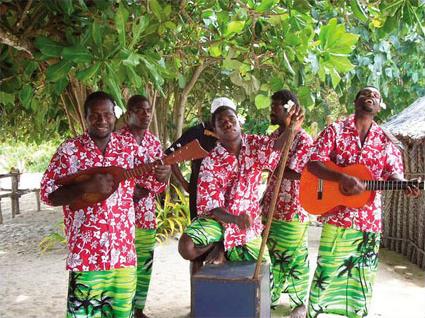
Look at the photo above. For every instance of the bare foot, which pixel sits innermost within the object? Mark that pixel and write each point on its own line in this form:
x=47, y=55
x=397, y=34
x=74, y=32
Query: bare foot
x=299, y=312
x=138, y=313
x=216, y=255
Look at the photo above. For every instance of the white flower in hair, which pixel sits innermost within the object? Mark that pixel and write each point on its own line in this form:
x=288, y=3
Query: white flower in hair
x=288, y=106
x=117, y=111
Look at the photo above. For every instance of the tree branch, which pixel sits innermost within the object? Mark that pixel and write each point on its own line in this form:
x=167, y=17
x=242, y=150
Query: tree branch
x=13, y=41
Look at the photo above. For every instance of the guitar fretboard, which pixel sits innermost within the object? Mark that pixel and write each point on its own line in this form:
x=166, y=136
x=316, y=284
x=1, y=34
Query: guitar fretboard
x=138, y=171
x=373, y=185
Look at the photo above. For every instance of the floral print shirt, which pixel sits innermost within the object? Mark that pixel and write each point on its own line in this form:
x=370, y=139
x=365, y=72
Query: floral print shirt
x=340, y=143
x=101, y=236
x=148, y=151
x=232, y=183
x=288, y=202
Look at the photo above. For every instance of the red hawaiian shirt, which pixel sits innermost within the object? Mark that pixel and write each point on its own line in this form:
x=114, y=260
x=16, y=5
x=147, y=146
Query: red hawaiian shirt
x=232, y=183
x=149, y=150
x=288, y=202
x=340, y=143
x=99, y=237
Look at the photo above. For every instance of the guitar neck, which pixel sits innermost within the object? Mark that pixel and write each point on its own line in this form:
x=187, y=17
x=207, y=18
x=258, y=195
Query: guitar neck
x=138, y=171
x=374, y=185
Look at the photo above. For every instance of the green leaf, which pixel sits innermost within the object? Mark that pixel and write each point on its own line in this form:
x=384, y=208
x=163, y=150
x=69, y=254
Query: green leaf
x=30, y=68
x=181, y=80
x=153, y=72
x=335, y=77
x=265, y=5
x=58, y=71
x=121, y=18
x=305, y=96
x=333, y=38
x=235, y=27
x=215, y=50
x=340, y=63
x=133, y=77
x=156, y=9
x=138, y=28
x=7, y=99
x=48, y=47
x=358, y=11
x=88, y=73
x=96, y=33
x=262, y=101
x=133, y=59
x=67, y=6
x=25, y=95
x=61, y=85
x=77, y=54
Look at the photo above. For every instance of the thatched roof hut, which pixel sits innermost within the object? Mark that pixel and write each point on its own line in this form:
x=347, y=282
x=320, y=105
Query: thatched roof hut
x=404, y=218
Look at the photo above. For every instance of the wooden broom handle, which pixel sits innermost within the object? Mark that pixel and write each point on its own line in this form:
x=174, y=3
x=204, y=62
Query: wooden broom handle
x=276, y=189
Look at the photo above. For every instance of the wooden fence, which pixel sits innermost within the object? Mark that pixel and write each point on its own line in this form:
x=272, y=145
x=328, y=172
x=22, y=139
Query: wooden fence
x=404, y=218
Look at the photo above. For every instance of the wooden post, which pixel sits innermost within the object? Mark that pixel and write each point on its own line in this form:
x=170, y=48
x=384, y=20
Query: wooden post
x=37, y=197
x=290, y=131
x=14, y=196
x=1, y=215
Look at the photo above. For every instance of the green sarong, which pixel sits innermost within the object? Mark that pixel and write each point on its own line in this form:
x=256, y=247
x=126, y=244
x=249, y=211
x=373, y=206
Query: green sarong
x=287, y=244
x=106, y=294
x=346, y=269
x=205, y=231
x=145, y=244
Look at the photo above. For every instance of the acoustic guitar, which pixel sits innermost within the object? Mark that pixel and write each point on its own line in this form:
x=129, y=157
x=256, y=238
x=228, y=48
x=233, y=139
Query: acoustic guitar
x=318, y=196
x=190, y=151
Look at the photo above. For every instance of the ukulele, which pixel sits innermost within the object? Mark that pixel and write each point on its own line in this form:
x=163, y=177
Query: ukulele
x=318, y=196
x=190, y=151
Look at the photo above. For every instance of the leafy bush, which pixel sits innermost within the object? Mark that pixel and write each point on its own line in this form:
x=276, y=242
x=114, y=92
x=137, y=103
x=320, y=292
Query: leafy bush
x=27, y=157
x=172, y=215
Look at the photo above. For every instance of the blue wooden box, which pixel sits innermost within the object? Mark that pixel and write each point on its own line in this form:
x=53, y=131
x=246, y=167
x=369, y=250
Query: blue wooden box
x=228, y=290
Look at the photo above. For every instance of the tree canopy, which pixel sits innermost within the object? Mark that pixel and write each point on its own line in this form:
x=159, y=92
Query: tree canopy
x=182, y=54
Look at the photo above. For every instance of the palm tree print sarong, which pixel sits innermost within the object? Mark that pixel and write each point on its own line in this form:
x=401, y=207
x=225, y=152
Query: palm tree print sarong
x=288, y=248
x=205, y=231
x=145, y=244
x=346, y=269
x=106, y=294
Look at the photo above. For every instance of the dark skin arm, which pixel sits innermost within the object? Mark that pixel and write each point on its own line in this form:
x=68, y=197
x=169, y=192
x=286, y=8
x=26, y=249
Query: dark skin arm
x=179, y=176
x=65, y=195
x=297, y=115
x=162, y=173
x=221, y=215
x=290, y=174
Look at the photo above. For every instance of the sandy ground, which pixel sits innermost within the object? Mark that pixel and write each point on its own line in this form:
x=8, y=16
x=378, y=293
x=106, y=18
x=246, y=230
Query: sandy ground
x=34, y=284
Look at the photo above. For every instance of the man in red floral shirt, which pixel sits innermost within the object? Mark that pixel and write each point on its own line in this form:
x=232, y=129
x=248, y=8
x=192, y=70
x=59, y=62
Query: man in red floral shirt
x=100, y=238
x=228, y=196
x=287, y=241
x=139, y=116
x=348, y=254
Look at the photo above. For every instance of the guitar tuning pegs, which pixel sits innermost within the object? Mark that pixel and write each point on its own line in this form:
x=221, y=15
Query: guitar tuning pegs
x=178, y=145
x=172, y=149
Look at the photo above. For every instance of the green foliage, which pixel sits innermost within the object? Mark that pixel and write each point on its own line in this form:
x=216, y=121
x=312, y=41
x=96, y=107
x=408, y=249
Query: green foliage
x=27, y=157
x=172, y=215
x=54, y=239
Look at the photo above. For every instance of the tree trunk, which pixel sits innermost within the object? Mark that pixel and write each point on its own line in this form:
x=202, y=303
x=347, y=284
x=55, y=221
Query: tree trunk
x=180, y=104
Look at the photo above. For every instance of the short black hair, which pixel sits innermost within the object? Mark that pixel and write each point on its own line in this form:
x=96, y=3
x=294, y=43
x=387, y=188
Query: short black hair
x=284, y=96
x=136, y=100
x=366, y=87
x=219, y=111
x=93, y=98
